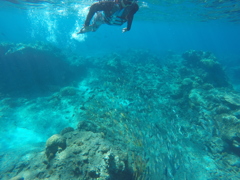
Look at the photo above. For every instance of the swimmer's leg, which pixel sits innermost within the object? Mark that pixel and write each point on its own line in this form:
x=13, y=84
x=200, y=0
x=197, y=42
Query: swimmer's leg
x=97, y=22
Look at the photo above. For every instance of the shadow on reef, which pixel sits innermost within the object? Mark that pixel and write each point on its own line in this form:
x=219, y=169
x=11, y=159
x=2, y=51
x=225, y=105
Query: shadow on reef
x=27, y=69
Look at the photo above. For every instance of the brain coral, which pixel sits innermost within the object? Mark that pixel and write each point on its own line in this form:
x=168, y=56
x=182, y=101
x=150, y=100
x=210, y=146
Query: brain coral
x=53, y=144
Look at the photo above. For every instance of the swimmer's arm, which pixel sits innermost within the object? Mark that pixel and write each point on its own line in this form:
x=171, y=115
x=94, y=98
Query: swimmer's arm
x=130, y=17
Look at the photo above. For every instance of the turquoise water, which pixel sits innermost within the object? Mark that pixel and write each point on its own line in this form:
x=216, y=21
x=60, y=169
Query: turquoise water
x=167, y=91
x=157, y=26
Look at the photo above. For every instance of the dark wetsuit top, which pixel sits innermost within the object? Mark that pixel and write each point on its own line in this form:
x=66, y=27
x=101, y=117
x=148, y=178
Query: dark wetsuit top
x=110, y=9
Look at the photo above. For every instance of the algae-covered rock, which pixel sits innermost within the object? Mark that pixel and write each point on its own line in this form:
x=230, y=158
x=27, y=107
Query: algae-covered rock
x=209, y=63
x=66, y=130
x=196, y=98
x=193, y=58
x=114, y=64
x=230, y=131
x=233, y=160
x=88, y=156
x=187, y=82
x=176, y=91
x=87, y=126
x=222, y=109
x=34, y=68
x=237, y=113
x=207, y=86
x=55, y=143
x=206, y=66
x=216, y=145
x=233, y=99
x=174, y=117
x=17, y=178
x=68, y=91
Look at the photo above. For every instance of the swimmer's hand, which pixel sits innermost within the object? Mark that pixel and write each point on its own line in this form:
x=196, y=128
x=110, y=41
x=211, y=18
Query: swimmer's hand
x=124, y=30
x=85, y=29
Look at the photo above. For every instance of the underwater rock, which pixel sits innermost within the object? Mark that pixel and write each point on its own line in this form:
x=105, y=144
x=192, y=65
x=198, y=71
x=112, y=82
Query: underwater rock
x=68, y=91
x=66, y=130
x=232, y=99
x=183, y=89
x=216, y=145
x=55, y=143
x=233, y=160
x=193, y=58
x=114, y=64
x=230, y=131
x=27, y=69
x=209, y=63
x=207, y=67
x=237, y=113
x=196, y=98
x=87, y=156
x=87, y=126
x=173, y=116
x=17, y=178
x=222, y=109
x=176, y=91
x=187, y=82
x=207, y=86
x=236, y=143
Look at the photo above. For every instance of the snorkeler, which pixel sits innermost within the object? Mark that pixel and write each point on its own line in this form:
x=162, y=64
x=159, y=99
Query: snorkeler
x=115, y=12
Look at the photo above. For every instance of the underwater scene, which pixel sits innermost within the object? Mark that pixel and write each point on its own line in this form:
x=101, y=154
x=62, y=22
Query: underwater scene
x=152, y=94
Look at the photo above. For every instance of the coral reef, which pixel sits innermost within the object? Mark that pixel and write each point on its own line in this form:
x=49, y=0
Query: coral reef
x=87, y=155
x=34, y=69
x=206, y=67
x=137, y=116
x=55, y=143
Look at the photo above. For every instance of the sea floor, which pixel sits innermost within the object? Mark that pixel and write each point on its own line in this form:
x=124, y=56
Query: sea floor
x=129, y=115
